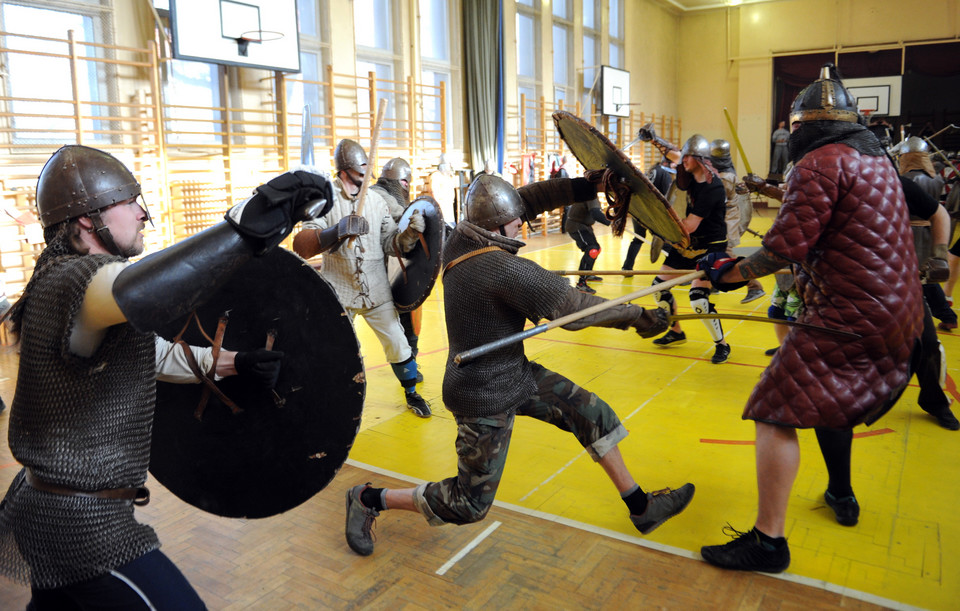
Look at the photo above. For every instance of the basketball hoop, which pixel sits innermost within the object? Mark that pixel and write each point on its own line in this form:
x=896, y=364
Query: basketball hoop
x=256, y=37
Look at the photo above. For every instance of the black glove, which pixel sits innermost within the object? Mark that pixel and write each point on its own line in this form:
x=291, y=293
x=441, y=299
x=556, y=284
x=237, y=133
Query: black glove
x=269, y=216
x=715, y=265
x=261, y=366
x=647, y=133
x=652, y=322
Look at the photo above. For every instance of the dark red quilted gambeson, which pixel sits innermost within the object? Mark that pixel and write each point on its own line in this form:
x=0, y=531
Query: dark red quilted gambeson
x=844, y=220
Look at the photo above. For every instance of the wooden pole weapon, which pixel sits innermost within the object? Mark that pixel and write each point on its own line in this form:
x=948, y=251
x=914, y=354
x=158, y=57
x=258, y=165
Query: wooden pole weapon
x=371, y=159
x=469, y=355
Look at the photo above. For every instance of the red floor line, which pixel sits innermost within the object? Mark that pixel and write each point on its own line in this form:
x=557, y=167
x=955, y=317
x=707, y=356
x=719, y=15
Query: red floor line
x=951, y=388
x=741, y=442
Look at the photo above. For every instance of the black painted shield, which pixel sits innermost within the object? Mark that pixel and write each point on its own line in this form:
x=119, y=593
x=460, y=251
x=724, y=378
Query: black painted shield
x=596, y=152
x=412, y=281
x=282, y=448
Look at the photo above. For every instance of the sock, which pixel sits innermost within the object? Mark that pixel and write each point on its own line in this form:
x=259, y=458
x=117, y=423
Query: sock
x=768, y=542
x=836, y=445
x=636, y=500
x=374, y=498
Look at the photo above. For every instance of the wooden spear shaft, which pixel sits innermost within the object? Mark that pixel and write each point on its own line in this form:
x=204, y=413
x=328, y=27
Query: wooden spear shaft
x=469, y=355
x=371, y=160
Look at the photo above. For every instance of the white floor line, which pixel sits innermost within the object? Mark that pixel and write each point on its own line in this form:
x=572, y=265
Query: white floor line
x=668, y=549
x=468, y=548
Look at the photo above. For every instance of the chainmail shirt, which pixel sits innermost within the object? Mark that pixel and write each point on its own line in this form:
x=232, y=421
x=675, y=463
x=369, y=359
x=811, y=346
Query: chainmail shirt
x=81, y=423
x=488, y=297
x=394, y=194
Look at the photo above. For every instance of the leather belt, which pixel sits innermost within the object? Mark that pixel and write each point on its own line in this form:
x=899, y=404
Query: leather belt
x=140, y=496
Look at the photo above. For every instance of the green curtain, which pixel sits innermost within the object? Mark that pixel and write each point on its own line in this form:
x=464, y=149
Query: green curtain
x=481, y=77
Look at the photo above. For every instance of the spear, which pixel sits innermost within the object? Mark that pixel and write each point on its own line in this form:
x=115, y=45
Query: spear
x=473, y=353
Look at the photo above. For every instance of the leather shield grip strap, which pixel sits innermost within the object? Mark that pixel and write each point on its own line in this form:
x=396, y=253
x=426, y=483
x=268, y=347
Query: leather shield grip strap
x=140, y=495
x=206, y=377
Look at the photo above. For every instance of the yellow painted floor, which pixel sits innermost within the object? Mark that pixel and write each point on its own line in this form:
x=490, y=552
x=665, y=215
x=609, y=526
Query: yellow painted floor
x=683, y=414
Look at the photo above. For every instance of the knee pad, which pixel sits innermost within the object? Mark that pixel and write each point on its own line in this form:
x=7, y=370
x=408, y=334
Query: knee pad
x=593, y=253
x=700, y=302
x=776, y=313
x=664, y=298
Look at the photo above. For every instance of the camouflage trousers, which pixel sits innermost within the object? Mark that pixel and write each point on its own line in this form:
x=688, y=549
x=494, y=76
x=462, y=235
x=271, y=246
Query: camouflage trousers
x=482, y=446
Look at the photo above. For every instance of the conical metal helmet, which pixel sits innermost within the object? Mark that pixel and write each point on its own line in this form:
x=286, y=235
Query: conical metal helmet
x=349, y=155
x=914, y=144
x=397, y=169
x=77, y=180
x=696, y=145
x=491, y=202
x=826, y=99
x=719, y=148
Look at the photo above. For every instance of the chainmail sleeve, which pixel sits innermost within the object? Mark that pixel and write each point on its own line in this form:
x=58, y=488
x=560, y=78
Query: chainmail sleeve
x=618, y=317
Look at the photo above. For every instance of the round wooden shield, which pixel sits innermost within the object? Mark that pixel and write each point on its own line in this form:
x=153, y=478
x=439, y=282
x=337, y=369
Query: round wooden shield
x=412, y=281
x=596, y=152
x=278, y=448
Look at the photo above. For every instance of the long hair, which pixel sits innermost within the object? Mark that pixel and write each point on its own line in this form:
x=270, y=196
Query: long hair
x=63, y=240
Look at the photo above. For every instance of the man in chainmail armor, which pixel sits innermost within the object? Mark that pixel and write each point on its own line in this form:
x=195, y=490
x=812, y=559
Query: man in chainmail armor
x=354, y=246
x=80, y=422
x=489, y=294
x=394, y=185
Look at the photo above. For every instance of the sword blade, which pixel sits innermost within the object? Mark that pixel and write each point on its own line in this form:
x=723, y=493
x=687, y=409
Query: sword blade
x=306, y=138
x=629, y=145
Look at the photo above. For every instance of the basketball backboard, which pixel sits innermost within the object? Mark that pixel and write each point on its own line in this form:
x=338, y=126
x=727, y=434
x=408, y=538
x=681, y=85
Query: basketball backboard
x=614, y=92
x=877, y=96
x=251, y=33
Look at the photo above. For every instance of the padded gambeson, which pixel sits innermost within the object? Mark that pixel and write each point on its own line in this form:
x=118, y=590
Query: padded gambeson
x=845, y=222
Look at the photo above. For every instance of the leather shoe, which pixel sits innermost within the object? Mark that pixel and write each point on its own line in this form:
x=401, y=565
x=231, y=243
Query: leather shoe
x=946, y=419
x=846, y=509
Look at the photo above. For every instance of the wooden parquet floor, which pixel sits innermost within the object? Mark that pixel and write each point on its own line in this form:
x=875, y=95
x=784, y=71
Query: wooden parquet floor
x=300, y=560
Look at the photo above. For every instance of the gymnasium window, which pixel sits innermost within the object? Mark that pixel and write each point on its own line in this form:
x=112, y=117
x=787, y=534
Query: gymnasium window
x=41, y=109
